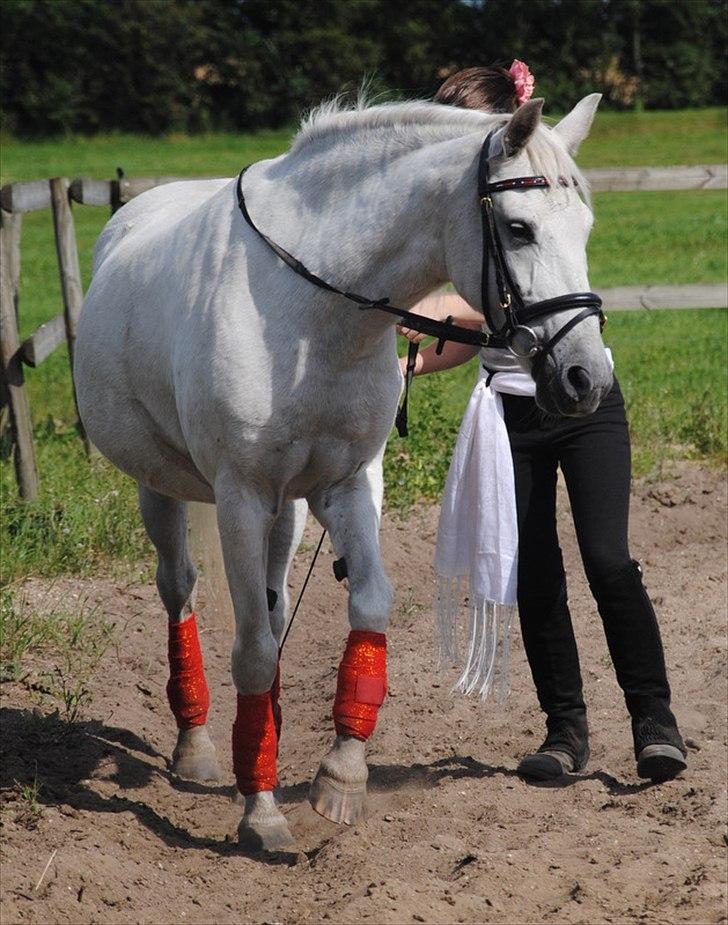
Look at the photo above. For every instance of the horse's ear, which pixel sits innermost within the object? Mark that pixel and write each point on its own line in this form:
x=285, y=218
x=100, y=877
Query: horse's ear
x=574, y=127
x=523, y=123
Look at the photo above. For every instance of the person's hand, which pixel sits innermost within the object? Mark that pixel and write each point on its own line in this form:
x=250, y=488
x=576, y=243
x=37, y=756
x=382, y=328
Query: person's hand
x=432, y=306
x=415, y=336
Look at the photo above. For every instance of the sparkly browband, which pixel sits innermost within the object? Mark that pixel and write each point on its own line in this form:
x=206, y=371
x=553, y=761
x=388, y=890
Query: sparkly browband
x=526, y=183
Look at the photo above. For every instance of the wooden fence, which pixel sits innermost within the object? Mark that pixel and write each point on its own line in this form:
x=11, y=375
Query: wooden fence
x=58, y=194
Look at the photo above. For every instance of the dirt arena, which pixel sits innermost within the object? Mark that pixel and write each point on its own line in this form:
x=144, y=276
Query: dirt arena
x=452, y=834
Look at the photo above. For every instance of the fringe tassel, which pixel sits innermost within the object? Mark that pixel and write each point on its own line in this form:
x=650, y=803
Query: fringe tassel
x=486, y=665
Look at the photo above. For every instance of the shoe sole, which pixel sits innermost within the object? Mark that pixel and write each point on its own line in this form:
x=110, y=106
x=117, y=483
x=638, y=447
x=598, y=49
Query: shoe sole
x=660, y=762
x=545, y=765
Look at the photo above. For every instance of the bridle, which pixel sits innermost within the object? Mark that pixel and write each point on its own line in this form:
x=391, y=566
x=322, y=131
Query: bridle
x=513, y=334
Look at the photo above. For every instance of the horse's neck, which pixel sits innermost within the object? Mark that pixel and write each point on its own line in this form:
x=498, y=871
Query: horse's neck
x=366, y=222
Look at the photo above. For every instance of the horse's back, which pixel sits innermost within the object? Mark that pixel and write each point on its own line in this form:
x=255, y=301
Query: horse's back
x=158, y=209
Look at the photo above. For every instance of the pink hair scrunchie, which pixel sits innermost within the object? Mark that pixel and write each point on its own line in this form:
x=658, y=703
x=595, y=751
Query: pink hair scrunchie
x=523, y=79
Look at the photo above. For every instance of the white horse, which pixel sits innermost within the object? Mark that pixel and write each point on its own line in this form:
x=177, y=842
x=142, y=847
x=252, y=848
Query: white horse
x=209, y=371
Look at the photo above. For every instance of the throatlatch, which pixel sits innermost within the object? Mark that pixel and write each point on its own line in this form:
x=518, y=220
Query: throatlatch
x=256, y=732
x=187, y=692
x=362, y=684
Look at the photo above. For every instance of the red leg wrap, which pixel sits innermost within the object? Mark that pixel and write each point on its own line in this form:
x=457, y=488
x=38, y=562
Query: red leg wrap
x=256, y=731
x=362, y=684
x=187, y=690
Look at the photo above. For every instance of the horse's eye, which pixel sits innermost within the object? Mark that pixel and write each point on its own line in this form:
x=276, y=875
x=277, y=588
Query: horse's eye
x=521, y=231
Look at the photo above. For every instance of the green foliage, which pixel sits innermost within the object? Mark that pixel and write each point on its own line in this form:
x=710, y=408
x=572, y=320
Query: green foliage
x=655, y=139
x=670, y=237
x=673, y=369
x=196, y=65
x=416, y=467
x=52, y=651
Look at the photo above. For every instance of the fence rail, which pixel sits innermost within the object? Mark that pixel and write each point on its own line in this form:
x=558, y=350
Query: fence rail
x=58, y=194
x=653, y=179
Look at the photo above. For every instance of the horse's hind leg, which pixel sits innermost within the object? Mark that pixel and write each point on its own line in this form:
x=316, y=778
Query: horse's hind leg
x=350, y=512
x=166, y=523
x=282, y=545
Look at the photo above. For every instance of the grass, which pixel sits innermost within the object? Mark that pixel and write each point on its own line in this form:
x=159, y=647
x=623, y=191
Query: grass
x=665, y=237
x=29, y=810
x=174, y=155
x=671, y=364
x=52, y=651
x=656, y=139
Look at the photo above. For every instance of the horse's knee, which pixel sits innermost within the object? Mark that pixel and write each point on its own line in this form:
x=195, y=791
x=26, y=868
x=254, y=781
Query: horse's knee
x=254, y=663
x=278, y=618
x=175, y=585
x=370, y=601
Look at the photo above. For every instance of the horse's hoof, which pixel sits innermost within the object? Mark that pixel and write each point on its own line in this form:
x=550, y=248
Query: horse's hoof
x=334, y=801
x=265, y=836
x=194, y=757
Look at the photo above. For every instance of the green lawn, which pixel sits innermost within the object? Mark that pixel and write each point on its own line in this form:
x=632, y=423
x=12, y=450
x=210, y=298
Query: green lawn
x=175, y=155
x=671, y=364
x=656, y=139
x=661, y=237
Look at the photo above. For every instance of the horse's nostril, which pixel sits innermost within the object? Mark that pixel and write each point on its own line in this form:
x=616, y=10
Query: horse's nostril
x=580, y=380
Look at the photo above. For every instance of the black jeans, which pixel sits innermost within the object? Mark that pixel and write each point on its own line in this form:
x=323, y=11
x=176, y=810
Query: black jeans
x=594, y=455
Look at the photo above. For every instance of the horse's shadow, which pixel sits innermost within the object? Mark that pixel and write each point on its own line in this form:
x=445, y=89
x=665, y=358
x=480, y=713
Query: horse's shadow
x=57, y=759
x=61, y=758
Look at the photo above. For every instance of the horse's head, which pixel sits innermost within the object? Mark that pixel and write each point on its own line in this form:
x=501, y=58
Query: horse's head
x=535, y=236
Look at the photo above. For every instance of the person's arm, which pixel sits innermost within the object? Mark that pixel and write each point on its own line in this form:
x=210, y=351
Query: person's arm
x=452, y=355
x=439, y=306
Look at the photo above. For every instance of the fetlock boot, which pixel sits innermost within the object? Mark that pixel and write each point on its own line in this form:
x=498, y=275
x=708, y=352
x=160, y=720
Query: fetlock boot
x=635, y=646
x=554, y=661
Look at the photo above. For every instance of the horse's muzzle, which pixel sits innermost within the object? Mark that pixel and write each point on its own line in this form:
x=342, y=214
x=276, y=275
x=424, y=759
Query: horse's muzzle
x=572, y=392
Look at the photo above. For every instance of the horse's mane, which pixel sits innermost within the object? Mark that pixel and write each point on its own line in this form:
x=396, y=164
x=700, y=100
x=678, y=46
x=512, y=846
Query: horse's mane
x=420, y=122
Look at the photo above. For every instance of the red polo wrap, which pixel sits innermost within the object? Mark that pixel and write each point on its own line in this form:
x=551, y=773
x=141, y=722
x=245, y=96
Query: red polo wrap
x=362, y=684
x=256, y=732
x=187, y=690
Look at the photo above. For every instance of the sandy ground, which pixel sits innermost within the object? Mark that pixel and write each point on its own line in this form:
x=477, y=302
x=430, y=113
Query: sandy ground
x=452, y=834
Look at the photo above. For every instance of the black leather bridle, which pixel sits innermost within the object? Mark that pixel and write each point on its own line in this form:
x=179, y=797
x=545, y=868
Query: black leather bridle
x=513, y=334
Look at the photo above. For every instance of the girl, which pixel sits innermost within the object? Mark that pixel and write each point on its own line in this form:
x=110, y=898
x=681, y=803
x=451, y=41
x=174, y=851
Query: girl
x=593, y=453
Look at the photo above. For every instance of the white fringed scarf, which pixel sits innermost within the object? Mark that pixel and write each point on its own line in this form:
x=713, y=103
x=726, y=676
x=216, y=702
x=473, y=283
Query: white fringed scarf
x=477, y=541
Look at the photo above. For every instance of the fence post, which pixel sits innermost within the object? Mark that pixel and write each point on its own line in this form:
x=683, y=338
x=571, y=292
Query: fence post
x=70, y=272
x=12, y=368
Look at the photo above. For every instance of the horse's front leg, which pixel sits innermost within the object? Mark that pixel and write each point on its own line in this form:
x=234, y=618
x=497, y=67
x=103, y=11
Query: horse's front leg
x=245, y=522
x=350, y=512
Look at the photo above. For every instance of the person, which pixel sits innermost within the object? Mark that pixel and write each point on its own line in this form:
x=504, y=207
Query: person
x=593, y=453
